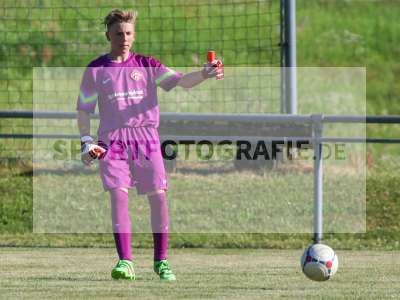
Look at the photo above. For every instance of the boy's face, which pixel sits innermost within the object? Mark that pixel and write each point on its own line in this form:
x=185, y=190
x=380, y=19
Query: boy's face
x=121, y=37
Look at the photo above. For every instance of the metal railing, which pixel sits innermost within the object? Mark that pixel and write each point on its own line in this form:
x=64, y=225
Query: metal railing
x=316, y=138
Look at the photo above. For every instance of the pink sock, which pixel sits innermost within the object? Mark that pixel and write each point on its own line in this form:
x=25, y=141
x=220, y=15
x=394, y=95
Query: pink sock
x=121, y=223
x=159, y=224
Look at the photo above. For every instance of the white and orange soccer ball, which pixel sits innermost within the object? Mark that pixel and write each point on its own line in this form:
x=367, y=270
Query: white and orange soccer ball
x=319, y=262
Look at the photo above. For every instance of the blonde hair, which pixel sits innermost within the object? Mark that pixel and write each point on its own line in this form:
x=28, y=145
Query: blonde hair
x=120, y=16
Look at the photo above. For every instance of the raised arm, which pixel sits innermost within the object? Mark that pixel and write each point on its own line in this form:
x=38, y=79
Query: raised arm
x=192, y=79
x=210, y=70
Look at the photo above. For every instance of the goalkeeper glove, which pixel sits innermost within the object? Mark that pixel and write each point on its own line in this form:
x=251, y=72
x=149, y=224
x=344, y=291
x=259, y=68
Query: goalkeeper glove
x=90, y=151
x=213, y=69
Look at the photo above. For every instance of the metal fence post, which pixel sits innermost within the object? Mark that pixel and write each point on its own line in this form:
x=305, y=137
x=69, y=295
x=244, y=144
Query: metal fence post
x=317, y=127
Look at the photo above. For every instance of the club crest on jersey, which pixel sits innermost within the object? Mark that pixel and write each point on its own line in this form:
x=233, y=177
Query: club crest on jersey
x=136, y=75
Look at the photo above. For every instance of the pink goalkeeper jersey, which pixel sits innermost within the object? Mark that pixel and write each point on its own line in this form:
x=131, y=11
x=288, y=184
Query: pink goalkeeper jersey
x=126, y=92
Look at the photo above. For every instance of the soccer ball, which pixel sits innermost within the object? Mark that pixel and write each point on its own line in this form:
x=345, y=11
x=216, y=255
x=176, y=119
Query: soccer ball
x=319, y=262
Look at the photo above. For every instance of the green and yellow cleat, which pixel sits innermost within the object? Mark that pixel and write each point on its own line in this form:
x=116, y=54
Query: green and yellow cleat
x=163, y=270
x=123, y=270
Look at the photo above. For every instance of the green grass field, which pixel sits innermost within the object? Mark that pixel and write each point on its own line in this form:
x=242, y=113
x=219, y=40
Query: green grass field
x=382, y=209
x=79, y=273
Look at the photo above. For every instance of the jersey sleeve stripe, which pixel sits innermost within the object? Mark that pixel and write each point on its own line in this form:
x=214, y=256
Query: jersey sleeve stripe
x=88, y=99
x=165, y=76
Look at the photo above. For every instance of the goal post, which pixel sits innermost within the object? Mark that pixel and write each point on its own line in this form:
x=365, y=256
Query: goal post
x=288, y=57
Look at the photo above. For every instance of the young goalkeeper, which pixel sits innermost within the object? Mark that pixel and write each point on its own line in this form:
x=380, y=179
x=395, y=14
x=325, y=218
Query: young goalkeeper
x=124, y=85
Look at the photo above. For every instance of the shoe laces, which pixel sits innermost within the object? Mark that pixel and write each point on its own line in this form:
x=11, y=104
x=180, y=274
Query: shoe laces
x=164, y=267
x=123, y=264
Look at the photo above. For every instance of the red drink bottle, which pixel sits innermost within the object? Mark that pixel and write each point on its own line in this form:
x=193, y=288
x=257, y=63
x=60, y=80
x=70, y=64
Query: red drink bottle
x=212, y=60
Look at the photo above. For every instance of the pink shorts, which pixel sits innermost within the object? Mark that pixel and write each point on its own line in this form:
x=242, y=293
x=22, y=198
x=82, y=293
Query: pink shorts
x=133, y=159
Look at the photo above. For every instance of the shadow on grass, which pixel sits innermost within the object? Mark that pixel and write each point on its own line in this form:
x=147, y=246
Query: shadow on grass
x=67, y=278
x=27, y=169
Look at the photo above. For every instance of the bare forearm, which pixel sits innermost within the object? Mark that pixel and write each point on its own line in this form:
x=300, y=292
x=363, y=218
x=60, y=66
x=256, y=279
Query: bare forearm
x=84, y=123
x=192, y=79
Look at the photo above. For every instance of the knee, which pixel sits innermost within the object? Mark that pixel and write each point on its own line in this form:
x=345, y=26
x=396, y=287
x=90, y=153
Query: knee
x=156, y=192
x=125, y=190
